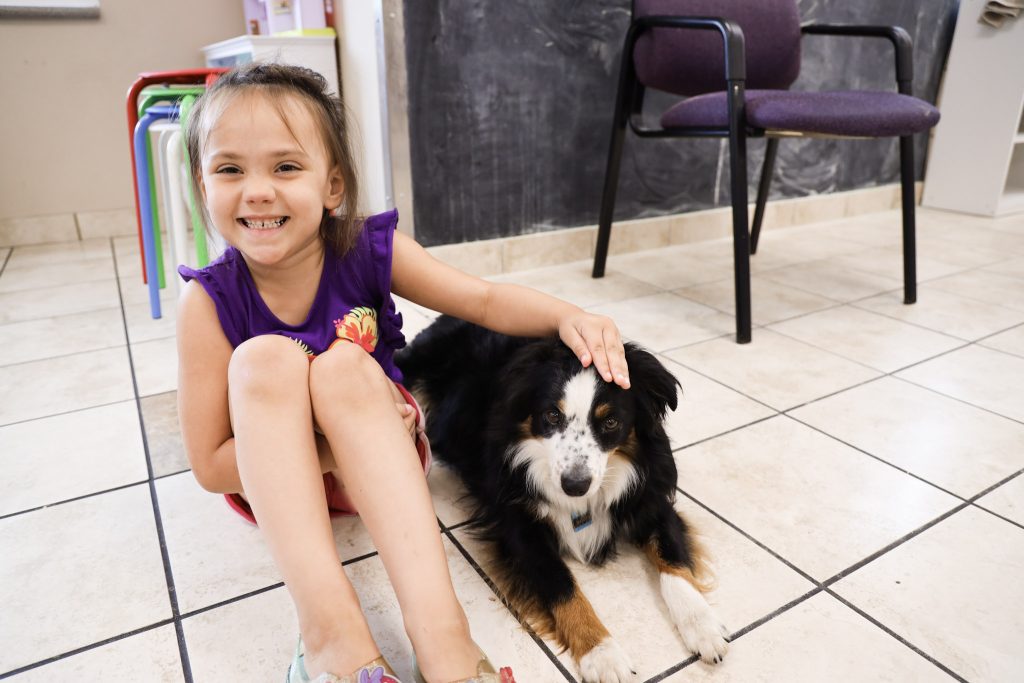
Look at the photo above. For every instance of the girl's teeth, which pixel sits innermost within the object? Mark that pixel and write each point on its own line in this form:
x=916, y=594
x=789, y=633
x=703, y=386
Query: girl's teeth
x=263, y=225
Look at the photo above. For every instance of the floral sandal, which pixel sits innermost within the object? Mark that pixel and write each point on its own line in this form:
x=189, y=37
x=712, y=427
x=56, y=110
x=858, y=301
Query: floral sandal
x=377, y=671
x=485, y=672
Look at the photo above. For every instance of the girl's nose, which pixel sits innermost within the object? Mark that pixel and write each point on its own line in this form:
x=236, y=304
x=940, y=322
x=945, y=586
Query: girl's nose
x=258, y=190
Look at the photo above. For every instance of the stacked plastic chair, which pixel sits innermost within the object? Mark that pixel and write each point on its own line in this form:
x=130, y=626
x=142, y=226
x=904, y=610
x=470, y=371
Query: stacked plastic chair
x=152, y=97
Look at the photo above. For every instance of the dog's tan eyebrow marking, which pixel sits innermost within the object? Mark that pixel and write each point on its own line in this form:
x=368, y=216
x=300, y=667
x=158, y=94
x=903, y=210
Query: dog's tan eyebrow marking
x=526, y=428
x=602, y=410
x=628, y=448
x=577, y=625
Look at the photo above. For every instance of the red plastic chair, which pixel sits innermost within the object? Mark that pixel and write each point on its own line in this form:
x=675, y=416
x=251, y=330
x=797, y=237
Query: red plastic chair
x=186, y=76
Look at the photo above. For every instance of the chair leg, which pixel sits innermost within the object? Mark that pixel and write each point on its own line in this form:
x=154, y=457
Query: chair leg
x=762, y=191
x=909, y=227
x=611, y=182
x=738, y=190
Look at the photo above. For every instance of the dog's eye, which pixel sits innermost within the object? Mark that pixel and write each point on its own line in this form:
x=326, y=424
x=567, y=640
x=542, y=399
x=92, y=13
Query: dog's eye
x=610, y=424
x=553, y=417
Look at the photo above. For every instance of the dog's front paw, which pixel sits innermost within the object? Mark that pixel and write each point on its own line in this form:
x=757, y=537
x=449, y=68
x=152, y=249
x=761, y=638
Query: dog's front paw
x=702, y=633
x=704, y=636
x=606, y=663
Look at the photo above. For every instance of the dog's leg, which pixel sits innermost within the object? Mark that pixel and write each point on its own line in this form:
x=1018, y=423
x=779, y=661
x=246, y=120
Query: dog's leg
x=684, y=578
x=543, y=589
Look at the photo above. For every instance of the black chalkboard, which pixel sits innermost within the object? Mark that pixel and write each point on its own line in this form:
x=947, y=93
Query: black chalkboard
x=510, y=113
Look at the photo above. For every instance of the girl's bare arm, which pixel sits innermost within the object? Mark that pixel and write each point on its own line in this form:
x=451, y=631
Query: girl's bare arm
x=506, y=308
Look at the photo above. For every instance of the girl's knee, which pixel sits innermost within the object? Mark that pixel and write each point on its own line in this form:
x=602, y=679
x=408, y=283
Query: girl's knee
x=344, y=368
x=266, y=361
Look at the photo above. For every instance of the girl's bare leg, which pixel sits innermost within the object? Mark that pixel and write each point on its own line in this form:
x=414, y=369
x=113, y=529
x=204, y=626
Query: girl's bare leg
x=354, y=406
x=268, y=387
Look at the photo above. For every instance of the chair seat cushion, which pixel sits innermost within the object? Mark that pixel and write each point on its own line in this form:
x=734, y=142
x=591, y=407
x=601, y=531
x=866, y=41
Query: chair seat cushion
x=858, y=113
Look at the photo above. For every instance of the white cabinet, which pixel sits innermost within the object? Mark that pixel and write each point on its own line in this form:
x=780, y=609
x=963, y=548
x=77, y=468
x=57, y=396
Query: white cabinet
x=314, y=52
x=976, y=160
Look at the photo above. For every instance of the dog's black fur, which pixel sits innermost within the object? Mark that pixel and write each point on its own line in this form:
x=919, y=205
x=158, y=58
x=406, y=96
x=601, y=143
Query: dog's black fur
x=537, y=439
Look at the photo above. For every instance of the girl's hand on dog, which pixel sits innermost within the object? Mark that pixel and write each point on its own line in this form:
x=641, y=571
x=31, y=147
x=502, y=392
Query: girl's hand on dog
x=595, y=339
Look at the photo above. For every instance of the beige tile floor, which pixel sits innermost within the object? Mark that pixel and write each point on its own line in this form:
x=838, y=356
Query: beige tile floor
x=855, y=472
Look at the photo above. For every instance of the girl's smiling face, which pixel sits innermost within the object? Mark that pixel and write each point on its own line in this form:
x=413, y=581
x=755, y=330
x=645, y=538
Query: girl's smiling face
x=266, y=183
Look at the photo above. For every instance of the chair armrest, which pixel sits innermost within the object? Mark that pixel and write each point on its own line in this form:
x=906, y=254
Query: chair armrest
x=732, y=36
x=897, y=35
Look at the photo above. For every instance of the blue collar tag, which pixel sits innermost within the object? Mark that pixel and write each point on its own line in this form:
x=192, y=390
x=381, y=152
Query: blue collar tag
x=581, y=521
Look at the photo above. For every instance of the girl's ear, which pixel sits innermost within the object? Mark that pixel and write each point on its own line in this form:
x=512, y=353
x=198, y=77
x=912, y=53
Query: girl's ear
x=335, y=189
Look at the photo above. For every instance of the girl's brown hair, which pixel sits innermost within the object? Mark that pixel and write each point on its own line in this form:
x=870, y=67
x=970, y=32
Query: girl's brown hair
x=275, y=82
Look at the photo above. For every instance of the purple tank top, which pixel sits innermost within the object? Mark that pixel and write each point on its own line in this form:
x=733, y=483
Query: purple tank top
x=353, y=302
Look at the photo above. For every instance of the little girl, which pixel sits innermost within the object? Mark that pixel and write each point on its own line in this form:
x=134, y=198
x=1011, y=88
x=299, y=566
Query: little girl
x=289, y=398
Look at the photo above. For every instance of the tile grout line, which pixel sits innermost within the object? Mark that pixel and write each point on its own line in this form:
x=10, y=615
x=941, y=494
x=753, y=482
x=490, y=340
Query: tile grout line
x=504, y=601
x=895, y=635
x=3, y=266
x=158, y=520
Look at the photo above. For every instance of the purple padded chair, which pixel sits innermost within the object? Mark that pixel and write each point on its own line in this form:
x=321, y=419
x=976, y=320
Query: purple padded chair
x=733, y=61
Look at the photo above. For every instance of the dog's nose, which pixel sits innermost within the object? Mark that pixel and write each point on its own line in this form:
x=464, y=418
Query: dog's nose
x=576, y=481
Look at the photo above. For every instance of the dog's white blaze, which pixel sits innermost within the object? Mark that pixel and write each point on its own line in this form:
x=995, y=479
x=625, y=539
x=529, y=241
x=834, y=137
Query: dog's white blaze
x=546, y=459
x=701, y=631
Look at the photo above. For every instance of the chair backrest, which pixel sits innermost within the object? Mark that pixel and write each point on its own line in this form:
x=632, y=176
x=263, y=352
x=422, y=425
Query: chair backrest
x=691, y=62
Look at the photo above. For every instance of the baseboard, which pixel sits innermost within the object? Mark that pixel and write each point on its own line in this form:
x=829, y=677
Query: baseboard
x=523, y=252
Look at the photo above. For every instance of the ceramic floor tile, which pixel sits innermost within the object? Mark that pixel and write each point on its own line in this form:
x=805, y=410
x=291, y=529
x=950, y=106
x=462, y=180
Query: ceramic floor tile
x=156, y=366
x=989, y=287
x=949, y=443
x=818, y=640
x=52, y=275
x=49, y=302
x=4, y=253
x=163, y=433
x=881, y=229
x=78, y=573
x=150, y=656
x=674, y=267
x=1011, y=341
x=665, y=321
x=764, y=369
x=134, y=292
x=706, y=408
x=868, y=338
x=888, y=262
x=260, y=650
x=826, y=279
x=143, y=327
x=820, y=504
x=1014, y=267
x=573, y=283
x=784, y=248
x=58, y=385
x=1007, y=500
x=960, y=607
x=750, y=584
x=982, y=377
x=217, y=555
x=771, y=301
x=979, y=235
x=248, y=640
x=56, y=458
x=31, y=256
x=945, y=312
x=47, y=337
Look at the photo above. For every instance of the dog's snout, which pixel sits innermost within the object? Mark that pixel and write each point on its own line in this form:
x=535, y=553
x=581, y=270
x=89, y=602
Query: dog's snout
x=576, y=481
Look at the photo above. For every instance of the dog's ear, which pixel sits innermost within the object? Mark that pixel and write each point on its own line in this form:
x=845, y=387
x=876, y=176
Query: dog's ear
x=654, y=387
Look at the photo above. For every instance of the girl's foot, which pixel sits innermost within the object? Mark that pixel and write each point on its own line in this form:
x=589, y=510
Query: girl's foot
x=375, y=671
x=485, y=672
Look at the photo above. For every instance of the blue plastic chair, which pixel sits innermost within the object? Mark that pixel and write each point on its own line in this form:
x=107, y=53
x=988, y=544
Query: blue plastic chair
x=147, y=201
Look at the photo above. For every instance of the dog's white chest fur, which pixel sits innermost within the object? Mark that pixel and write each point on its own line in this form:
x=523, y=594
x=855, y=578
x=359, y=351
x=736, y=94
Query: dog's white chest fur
x=584, y=543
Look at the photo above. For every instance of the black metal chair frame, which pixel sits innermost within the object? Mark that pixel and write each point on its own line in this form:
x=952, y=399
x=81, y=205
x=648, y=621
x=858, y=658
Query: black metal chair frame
x=629, y=107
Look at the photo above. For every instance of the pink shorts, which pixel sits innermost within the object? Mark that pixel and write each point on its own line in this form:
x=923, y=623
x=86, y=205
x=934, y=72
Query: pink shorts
x=338, y=502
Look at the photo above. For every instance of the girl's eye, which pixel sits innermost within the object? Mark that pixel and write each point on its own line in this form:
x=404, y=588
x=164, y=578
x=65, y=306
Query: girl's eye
x=610, y=424
x=553, y=417
x=288, y=167
x=229, y=169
